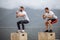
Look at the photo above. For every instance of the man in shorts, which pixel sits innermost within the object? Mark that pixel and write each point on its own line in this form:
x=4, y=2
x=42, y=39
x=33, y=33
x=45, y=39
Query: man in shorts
x=50, y=18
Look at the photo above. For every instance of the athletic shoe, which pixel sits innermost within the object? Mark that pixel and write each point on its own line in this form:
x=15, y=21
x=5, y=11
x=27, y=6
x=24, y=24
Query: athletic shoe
x=50, y=31
x=46, y=31
x=18, y=31
x=23, y=31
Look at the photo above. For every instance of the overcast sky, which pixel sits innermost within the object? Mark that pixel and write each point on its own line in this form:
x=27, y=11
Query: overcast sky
x=35, y=4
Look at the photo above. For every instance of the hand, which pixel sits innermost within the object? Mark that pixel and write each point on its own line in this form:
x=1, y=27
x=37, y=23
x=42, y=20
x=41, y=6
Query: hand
x=17, y=15
x=16, y=12
x=44, y=17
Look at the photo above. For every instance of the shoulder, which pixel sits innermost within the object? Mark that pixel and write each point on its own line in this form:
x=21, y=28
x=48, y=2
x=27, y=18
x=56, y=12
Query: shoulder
x=24, y=12
x=51, y=12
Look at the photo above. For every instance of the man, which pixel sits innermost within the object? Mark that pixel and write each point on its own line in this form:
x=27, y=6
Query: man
x=50, y=18
x=23, y=19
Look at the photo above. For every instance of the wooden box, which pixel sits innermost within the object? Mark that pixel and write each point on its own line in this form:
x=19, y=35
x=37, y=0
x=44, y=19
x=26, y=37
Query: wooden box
x=18, y=36
x=51, y=36
x=46, y=36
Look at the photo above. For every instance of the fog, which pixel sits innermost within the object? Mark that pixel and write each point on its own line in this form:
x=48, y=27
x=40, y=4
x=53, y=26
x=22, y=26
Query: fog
x=35, y=4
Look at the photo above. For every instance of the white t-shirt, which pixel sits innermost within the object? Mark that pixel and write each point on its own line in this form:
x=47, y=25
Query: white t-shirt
x=51, y=14
x=24, y=17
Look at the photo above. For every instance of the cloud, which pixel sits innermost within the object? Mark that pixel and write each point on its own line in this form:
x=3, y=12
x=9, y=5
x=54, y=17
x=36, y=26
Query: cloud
x=35, y=4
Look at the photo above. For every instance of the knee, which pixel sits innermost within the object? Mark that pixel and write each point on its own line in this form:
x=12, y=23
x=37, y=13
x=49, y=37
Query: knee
x=46, y=23
x=49, y=21
x=17, y=22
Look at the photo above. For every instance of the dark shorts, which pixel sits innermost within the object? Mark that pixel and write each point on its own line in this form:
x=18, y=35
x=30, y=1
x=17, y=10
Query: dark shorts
x=53, y=21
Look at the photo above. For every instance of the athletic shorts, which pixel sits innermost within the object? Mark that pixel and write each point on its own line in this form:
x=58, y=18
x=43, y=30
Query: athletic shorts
x=53, y=21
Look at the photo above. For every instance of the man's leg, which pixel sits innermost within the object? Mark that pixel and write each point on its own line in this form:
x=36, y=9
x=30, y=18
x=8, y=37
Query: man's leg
x=50, y=25
x=23, y=27
x=18, y=25
x=46, y=24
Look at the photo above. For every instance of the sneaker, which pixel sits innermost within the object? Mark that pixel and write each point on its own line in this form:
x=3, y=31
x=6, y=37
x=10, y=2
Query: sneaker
x=23, y=31
x=18, y=31
x=50, y=31
x=46, y=31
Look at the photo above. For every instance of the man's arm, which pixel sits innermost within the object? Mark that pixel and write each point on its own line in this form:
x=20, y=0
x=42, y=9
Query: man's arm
x=21, y=15
x=44, y=17
x=17, y=15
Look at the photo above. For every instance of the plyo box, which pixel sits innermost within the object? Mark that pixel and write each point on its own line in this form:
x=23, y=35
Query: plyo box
x=18, y=36
x=46, y=36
